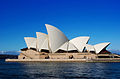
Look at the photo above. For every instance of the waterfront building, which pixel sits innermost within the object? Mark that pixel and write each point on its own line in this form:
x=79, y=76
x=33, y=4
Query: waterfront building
x=55, y=45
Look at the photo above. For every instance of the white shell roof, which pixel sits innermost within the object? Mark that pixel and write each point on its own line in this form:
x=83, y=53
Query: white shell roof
x=41, y=37
x=99, y=47
x=67, y=47
x=45, y=45
x=90, y=47
x=71, y=47
x=30, y=42
x=56, y=37
x=80, y=42
x=56, y=40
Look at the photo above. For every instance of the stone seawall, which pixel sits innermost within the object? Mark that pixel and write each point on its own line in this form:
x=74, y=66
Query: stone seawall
x=65, y=60
x=105, y=60
x=45, y=60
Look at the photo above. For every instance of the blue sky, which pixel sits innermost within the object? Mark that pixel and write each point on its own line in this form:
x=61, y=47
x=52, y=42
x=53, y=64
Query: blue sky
x=99, y=19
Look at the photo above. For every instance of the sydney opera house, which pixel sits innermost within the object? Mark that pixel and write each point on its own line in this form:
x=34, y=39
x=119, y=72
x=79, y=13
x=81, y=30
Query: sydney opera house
x=55, y=45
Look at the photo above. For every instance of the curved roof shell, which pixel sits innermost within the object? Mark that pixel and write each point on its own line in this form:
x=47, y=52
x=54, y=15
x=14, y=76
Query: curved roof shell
x=41, y=37
x=56, y=37
x=56, y=40
x=67, y=47
x=99, y=47
x=30, y=42
x=90, y=47
x=80, y=42
x=45, y=45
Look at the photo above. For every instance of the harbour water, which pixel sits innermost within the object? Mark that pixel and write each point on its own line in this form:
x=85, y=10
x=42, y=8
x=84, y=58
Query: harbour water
x=59, y=70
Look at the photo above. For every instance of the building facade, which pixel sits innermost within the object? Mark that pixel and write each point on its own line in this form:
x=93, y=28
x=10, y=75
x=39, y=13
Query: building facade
x=55, y=45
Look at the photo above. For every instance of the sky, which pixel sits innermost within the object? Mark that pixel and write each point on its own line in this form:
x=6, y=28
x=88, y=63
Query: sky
x=99, y=19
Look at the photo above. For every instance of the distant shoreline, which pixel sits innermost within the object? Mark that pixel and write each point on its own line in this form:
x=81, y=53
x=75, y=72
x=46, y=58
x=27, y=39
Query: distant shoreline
x=6, y=56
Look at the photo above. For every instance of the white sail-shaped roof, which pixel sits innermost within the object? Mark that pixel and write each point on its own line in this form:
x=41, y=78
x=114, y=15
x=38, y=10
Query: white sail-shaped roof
x=80, y=42
x=45, y=45
x=99, y=47
x=41, y=37
x=30, y=42
x=90, y=47
x=71, y=47
x=64, y=46
x=67, y=47
x=56, y=37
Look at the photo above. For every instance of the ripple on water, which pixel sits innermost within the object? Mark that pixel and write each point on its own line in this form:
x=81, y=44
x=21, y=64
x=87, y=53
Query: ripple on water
x=59, y=70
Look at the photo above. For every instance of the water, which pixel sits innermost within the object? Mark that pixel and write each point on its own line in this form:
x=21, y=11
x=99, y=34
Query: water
x=59, y=70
